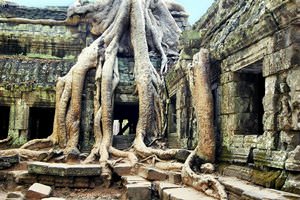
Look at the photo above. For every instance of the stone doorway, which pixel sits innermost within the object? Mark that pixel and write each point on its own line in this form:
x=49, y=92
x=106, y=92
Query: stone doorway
x=40, y=122
x=125, y=122
x=251, y=90
x=4, y=121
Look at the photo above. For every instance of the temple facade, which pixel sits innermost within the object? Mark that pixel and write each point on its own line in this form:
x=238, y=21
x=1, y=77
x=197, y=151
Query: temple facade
x=255, y=81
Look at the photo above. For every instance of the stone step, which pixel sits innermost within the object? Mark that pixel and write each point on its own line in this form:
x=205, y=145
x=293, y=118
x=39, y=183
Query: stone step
x=61, y=169
x=137, y=188
x=244, y=190
x=169, y=191
x=154, y=174
x=123, y=169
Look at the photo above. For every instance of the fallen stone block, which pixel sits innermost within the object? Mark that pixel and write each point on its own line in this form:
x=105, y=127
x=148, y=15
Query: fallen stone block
x=9, y=161
x=175, y=177
x=61, y=169
x=123, y=169
x=161, y=186
x=152, y=174
x=138, y=191
x=38, y=191
x=14, y=196
x=183, y=194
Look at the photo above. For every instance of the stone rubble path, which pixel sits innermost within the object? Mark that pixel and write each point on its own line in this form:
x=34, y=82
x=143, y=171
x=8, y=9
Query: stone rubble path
x=145, y=183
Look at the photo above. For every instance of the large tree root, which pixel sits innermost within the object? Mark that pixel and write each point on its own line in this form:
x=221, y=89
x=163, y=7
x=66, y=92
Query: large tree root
x=150, y=27
x=205, y=150
x=207, y=183
x=5, y=142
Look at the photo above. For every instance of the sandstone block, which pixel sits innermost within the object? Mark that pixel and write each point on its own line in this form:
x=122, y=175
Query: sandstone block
x=152, y=174
x=8, y=161
x=123, y=169
x=293, y=161
x=183, y=194
x=174, y=177
x=139, y=191
x=38, y=191
x=132, y=179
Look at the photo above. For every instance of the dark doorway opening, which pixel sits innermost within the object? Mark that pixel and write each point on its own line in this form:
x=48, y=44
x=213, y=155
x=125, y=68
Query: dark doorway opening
x=125, y=122
x=126, y=115
x=252, y=85
x=4, y=121
x=172, y=124
x=40, y=122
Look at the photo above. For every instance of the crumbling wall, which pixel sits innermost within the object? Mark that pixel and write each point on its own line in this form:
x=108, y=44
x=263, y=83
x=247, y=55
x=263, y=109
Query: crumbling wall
x=249, y=40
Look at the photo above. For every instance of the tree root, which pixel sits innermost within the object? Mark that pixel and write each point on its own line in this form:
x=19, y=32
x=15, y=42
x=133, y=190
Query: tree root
x=38, y=144
x=5, y=142
x=26, y=154
x=152, y=28
x=207, y=183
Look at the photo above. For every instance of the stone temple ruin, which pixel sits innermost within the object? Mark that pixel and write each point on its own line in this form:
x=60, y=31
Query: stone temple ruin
x=235, y=74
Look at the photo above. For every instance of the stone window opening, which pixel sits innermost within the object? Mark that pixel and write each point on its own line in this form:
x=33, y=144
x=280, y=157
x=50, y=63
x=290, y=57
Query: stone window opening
x=249, y=100
x=40, y=122
x=4, y=121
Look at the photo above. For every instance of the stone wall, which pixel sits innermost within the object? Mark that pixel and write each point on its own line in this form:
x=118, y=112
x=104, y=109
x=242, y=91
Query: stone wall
x=254, y=48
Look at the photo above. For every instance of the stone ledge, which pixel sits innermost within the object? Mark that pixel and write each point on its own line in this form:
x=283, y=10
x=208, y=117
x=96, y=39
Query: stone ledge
x=247, y=191
x=56, y=169
x=168, y=191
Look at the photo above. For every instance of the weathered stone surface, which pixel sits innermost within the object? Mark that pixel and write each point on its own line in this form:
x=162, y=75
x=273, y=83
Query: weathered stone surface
x=138, y=191
x=161, y=186
x=237, y=171
x=174, y=177
x=38, y=191
x=152, y=174
x=24, y=177
x=81, y=182
x=63, y=181
x=53, y=198
x=238, y=155
x=293, y=83
x=137, y=188
x=292, y=183
x=56, y=169
x=275, y=159
x=248, y=191
x=183, y=194
x=13, y=10
x=293, y=161
x=132, y=179
x=8, y=161
x=289, y=140
x=123, y=169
